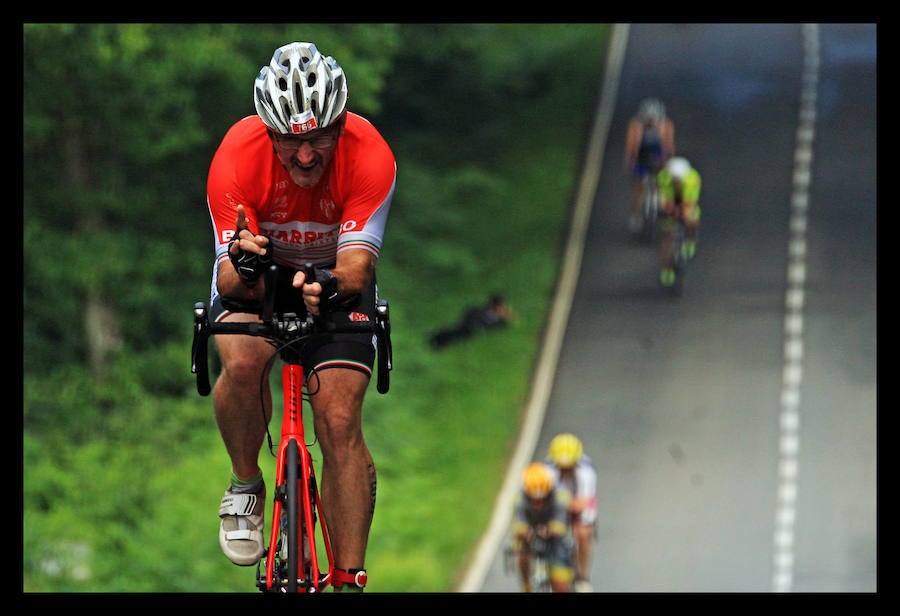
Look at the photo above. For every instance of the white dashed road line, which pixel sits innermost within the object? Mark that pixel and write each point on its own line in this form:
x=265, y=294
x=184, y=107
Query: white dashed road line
x=789, y=419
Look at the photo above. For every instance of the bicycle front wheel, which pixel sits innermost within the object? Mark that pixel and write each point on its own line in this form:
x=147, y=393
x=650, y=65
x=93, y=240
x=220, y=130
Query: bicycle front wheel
x=292, y=495
x=540, y=566
x=540, y=574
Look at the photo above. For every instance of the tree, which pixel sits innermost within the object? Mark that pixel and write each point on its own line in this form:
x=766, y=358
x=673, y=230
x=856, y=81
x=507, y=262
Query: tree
x=120, y=122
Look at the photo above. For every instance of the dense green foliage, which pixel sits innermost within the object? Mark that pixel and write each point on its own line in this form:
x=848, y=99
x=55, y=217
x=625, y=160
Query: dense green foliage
x=123, y=465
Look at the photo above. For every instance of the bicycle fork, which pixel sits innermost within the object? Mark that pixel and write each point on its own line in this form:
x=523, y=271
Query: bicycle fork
x=295, y=481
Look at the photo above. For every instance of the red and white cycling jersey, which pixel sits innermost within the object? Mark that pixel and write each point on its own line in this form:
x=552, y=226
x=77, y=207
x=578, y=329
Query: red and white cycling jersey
x=582, y=483
x=347, y=208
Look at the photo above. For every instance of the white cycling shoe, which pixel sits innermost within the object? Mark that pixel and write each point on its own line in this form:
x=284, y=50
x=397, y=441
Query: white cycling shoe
x=241, y=527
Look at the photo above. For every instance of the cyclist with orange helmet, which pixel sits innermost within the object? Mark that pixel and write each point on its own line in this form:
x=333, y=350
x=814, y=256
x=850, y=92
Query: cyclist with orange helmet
x=574, y=470
x=541, y=511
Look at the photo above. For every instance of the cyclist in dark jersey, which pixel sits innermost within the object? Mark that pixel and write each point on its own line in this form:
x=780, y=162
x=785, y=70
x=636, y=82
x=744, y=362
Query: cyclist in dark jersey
x=302, y=181
x=542, y=510
x=649, y=143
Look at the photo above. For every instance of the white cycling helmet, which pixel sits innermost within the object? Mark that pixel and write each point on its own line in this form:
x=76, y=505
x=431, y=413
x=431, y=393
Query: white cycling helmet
x=678, y=167
x=652, y=110
x=300, y=90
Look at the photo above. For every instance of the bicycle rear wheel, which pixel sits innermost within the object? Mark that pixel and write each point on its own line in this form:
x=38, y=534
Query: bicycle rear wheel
x=651, y=210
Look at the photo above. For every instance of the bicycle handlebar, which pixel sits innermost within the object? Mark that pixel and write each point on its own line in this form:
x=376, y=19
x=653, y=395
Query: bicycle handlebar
x=287, y=329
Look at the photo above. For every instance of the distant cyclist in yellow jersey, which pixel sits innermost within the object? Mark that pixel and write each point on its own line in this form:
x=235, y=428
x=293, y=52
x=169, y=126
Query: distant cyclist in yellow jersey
x=679, y=193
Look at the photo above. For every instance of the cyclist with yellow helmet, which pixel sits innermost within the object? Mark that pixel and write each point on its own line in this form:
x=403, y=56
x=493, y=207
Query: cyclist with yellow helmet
x=574, y=470
x=541, y=510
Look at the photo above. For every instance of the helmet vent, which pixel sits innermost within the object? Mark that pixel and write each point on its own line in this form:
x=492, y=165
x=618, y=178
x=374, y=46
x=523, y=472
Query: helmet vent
x=282, y=84
x=298, y=94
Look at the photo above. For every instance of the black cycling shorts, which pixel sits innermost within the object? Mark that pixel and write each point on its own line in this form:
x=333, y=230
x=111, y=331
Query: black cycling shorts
x=354, y=351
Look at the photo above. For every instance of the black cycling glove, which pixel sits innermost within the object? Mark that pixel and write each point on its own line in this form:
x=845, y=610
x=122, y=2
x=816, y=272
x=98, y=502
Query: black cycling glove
x=330, y=299
x=250, y=265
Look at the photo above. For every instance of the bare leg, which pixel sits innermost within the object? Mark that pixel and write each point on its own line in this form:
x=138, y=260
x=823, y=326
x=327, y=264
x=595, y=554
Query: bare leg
x=236, y=401
x=242, y=419
x=348, y=471
x=525, y=567
x=583, y=536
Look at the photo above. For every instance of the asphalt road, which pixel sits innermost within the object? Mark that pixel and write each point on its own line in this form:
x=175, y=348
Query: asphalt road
x=734, y=428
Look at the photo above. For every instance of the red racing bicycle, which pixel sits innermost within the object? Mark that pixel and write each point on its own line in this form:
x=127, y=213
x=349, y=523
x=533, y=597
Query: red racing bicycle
x=293, y=562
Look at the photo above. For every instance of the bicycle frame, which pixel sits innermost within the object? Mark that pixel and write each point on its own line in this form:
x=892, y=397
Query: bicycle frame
x=539, y=562
x=311, y=578
x=293, y=561
x=540, y=567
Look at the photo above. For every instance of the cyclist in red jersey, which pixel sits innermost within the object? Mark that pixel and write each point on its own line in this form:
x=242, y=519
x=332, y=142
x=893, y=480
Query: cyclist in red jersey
x=303, y=181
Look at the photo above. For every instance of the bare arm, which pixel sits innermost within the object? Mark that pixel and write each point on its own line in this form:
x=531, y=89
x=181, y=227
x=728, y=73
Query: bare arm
x=632, y=142
x=667, y=134
x=354, y=270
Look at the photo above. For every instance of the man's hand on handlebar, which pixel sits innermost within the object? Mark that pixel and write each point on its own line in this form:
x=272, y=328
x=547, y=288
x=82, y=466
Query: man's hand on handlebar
x=319, y=288
x=320, y=291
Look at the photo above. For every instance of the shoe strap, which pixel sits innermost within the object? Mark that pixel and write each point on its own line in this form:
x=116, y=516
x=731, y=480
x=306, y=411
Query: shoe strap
x=237, y=504
x=245, y=534
x=358, y=578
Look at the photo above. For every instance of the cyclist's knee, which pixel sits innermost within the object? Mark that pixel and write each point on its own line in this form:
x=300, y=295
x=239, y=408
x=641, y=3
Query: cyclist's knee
x=339, y=431
x=242, y=374
x=242, y=364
